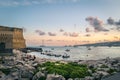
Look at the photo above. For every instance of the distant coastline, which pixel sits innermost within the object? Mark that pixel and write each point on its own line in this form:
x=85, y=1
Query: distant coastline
x=110, y=44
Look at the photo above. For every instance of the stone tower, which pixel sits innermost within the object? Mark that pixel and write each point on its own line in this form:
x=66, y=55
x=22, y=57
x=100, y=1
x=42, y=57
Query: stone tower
x=11, y=38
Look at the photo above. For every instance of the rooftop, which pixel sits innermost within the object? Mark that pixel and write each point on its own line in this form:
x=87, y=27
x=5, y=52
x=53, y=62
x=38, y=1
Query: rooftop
x=8, y=28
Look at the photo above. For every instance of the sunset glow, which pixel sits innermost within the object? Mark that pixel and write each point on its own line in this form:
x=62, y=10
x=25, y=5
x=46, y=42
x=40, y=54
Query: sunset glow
x=63, y=22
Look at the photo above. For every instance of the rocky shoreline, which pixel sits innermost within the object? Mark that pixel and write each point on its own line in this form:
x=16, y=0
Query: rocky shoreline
x=22, y=66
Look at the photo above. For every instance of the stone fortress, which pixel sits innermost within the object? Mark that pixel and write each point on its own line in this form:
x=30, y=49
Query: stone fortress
x=11, y=38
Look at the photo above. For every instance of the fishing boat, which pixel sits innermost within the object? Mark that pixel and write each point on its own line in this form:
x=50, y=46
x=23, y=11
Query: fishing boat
x=67, y=50
x=50, y=54
x=65, y=55
x=89, y=48
x=57, y=55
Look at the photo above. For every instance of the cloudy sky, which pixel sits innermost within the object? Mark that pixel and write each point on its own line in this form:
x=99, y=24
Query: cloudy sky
x=63, y=22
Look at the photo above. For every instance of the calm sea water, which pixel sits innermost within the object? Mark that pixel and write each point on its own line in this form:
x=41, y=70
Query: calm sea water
x=81, y=53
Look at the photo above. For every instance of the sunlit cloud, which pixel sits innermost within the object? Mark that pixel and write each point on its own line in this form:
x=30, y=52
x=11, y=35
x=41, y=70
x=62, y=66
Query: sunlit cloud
x=61, y=30
x=87, y=35
x=96, y=23
x=116, y=37
x=49, y=40
x=51, y=34
x=86, y=41
x=65, y=34
x=105, y=33
x=73, y=34
x=111, y=21
x=41, y=33
x=70, y=34
x=88, y=30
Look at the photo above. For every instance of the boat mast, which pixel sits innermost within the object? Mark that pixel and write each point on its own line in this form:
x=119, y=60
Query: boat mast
x=43, y=42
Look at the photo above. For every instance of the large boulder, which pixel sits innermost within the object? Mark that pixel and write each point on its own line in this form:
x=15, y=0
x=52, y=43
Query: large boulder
x=27, y=74
x=2, y=75
x=70, y=79
x=15, y=75
x=54, y=77
x=38, y=75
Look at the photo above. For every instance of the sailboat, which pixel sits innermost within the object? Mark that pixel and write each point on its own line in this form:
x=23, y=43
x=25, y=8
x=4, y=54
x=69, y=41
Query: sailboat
x=42, y=44
x=75, y=45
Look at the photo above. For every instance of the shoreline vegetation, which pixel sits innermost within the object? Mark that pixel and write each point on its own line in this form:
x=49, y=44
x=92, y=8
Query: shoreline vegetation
x=23, y=66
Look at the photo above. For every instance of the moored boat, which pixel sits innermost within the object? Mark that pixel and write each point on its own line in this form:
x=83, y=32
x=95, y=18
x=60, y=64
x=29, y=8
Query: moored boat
x=67, y=50
x=65, y=56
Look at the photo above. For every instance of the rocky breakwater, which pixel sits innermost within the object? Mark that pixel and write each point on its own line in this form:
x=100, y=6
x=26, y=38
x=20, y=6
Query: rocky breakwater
x=15, y=68
x=23, y=66
x=102, y=69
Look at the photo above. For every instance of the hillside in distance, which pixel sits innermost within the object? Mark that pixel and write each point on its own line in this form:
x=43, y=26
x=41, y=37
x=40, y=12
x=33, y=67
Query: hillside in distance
x=110, y=44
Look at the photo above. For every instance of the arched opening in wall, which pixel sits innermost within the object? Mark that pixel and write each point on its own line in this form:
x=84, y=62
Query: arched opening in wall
x=2, y=46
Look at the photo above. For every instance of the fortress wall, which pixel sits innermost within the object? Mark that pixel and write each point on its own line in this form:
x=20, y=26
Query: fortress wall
x=6, y=37
x=18, y=39
x=12, y=37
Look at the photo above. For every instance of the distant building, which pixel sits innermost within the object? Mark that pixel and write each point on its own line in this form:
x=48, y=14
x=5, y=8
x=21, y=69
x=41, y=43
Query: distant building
x=11, y=38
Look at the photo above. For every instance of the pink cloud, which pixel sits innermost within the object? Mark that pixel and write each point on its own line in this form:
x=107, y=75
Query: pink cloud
x=73, y=34
x=40, y=32
x=51, y=34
